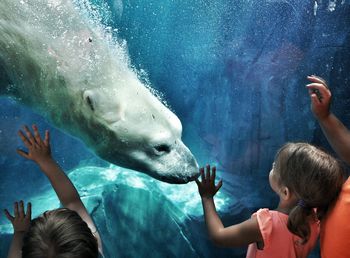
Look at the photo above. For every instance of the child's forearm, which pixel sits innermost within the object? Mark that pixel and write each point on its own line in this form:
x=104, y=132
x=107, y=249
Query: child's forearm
x=15, y=250
x=60, y=182
x=337, y=135
x=212, y=218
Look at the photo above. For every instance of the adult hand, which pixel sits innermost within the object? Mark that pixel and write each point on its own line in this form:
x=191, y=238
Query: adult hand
x=320, y=97
x=20, y=220
x=207, y=187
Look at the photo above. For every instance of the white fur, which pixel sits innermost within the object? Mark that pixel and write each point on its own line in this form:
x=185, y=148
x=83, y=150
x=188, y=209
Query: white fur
x=65, y=68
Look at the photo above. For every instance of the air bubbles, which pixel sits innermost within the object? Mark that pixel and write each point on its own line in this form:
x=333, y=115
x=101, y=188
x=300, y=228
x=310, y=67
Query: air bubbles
x=108, y=29
x=315, y=8
x=332, y=5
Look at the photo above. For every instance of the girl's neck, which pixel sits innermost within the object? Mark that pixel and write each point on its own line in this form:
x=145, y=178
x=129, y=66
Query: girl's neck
x=283, y=210
x=285, y=206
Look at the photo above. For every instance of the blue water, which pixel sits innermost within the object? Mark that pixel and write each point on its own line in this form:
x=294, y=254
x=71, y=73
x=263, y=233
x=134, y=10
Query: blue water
x=234, y=73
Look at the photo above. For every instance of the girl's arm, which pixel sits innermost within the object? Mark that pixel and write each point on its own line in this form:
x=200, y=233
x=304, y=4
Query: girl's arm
x=40, y=152
x=337, y=135
x=20, y=222
x=335, y=131
x=241, y=234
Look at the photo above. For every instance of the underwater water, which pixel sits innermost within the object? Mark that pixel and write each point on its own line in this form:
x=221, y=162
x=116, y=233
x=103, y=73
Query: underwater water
x=233, y=72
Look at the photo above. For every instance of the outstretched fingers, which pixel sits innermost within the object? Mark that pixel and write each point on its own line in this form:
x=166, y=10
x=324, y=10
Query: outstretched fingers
x=218, y=186
x=319, y=90
x=317, y=79
x=207, y=173
x=21, y=213
x=38, y=147
x=8, y=215
x=23, y=153
x=36, y=134
x=213, y=174
x=318, y=86
x=315, y=101
x=207, y=187
x=15, y=209
x=24, y=139
x=29, y=135
x=201, y=170
x=212, y=178
x=29, y=211
x=47, y=138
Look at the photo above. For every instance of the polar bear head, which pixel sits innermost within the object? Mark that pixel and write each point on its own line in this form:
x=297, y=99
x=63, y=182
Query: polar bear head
x=127, y=125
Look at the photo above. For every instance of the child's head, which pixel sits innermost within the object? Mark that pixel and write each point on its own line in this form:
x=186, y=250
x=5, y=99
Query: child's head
x=313, y=179
x=59, y=233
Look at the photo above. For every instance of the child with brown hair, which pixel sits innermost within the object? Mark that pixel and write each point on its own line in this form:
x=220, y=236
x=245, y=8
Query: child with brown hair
x=64, y=232
x=306, y=179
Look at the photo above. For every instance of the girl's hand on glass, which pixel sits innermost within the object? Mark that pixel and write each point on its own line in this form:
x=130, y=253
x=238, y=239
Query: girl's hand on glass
x=20, y=220
x=207, y=187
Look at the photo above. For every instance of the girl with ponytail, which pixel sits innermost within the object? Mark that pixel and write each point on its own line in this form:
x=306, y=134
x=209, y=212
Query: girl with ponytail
x=307, y=181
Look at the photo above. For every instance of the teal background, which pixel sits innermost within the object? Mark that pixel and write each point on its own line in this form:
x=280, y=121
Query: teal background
x=234, y=72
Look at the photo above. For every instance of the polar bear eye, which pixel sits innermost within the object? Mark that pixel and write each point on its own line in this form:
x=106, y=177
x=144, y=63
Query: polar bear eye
x=87, y=96
x=162, y=148
x=90, y=104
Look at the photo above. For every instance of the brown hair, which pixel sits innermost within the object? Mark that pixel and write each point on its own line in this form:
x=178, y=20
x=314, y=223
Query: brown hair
x=59, y=233
x=314, y=177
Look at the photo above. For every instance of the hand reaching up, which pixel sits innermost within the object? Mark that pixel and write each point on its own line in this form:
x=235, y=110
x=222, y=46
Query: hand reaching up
x=38, y=149
x=320, y=96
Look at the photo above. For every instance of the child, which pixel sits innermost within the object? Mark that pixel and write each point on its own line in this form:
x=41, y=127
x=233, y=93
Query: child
x=306, y=180
x=67, y=231
x=335, y=227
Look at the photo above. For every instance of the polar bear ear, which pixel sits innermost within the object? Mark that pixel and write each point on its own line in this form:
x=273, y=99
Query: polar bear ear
x=88, y=97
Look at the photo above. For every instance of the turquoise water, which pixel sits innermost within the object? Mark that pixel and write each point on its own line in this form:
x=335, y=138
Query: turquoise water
x=233, y=72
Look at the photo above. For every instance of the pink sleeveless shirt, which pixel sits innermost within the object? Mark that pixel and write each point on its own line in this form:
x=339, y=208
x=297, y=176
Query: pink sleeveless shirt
x=279, y=242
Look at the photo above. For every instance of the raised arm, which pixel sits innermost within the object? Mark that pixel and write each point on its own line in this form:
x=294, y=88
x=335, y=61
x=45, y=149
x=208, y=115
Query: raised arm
x=39, y=151
x=20, y=222
x=237, y=235
x=336, y=133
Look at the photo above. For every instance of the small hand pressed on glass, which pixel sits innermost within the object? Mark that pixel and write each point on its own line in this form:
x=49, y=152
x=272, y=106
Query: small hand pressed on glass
x=318, y=86
x=38, y=148
x=206, y=186
x=321, y=97
x=20, y=220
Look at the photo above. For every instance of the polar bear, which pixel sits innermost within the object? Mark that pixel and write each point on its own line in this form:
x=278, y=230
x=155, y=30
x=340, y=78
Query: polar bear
x=71, y=71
